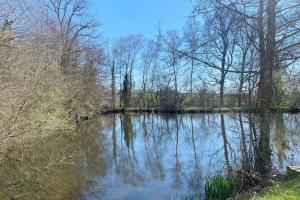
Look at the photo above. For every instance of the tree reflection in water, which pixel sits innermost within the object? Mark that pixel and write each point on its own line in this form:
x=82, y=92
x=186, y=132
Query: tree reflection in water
x=60, y=166
x=148, y=156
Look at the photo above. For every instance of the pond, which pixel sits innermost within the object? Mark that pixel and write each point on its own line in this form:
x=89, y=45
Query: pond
x=147, y=156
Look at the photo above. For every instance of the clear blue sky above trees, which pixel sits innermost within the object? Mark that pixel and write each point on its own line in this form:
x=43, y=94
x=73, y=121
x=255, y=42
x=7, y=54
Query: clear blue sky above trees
x=124, y=17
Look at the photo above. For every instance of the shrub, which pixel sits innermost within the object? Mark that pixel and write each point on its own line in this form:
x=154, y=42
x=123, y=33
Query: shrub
x=219, y=188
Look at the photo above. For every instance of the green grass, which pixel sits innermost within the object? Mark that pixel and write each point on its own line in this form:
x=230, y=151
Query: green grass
x=219, y=187
x=287, y=190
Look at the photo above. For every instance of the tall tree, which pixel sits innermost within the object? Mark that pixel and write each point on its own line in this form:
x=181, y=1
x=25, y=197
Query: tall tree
x=221, y=26
x=71, y=25
x=148, y=59
x=172, y=59
x=125, y=98
x=192, y=42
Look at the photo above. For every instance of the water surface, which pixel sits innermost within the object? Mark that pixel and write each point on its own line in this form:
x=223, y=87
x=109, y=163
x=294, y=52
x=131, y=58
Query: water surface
x=147, y=156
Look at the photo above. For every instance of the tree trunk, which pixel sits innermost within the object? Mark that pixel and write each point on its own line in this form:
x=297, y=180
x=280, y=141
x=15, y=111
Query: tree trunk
x=191, y=78
x=245, y=156
x=223, y=73
x=226, y=154
x=144, y=84
x=242, y=80
x=113, y=87
x=222, y=82
x=175, y=79
x=267, y=56
x=263, y=159
x=114, y=139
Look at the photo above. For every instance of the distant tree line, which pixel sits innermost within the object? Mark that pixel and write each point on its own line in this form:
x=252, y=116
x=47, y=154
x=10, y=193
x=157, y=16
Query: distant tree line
x=230, y=53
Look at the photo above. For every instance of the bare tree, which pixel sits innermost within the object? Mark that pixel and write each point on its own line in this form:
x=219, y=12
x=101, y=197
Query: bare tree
x=246, y=60
x=221, y=26
x=277, y=26
x=192, y=34
x=111, y=62
x=155, y=75
x=148, y=58
x=72, y=25
x=172, y=59
x=128, y=49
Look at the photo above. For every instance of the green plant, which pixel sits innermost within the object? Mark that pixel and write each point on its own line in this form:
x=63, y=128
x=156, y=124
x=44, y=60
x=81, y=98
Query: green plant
x=288, y=189
x=220, y=188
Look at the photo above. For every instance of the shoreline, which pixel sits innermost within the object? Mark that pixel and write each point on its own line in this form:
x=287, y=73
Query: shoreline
x=290, y=110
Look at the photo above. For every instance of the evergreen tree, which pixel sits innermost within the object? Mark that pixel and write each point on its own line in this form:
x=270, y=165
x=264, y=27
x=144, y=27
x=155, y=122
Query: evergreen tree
x=125, y=97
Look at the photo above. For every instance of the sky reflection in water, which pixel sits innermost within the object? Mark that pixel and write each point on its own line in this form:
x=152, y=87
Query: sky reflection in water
x=120, y=157
x=164, y=156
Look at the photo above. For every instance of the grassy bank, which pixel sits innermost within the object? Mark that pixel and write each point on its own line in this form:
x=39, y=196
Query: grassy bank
x=286, y=190
x=221, y=188
x=198, y=110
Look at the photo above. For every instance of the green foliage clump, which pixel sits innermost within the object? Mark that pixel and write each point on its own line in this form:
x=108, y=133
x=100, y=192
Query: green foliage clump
x=220, y=188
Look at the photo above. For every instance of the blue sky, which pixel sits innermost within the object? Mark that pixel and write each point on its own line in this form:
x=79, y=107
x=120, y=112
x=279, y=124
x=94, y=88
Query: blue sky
x=125, y=17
